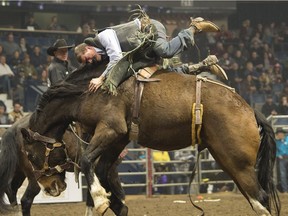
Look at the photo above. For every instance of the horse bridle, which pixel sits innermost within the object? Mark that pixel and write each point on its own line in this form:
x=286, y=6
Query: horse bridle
x=47, y=170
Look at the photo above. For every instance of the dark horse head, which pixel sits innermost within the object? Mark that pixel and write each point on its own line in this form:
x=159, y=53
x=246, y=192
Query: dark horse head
x=48, y=156
x=49, y=160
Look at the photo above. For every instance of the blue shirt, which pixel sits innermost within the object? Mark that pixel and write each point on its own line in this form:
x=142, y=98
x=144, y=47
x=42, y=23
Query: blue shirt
x=282, y=147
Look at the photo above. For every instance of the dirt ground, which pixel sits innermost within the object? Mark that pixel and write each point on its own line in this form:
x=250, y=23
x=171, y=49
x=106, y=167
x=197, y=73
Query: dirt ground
x=225, y=203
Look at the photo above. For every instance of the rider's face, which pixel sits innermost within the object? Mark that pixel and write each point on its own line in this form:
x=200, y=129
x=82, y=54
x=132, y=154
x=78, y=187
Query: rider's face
x=90, y=55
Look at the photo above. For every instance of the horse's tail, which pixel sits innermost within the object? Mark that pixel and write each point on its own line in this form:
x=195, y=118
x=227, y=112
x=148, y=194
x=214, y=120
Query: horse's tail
x=266, y=160
x=8, y=164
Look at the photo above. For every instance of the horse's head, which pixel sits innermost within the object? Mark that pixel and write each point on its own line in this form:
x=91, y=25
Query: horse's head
x=48, y=159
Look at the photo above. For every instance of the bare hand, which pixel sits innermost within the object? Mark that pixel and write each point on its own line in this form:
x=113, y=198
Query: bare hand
x=95, y=83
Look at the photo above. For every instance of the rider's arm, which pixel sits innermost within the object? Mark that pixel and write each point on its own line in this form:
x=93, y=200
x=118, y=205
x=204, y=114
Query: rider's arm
x=109, y=40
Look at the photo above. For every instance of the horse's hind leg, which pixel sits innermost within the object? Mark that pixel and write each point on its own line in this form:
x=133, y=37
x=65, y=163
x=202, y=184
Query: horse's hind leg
x=248, y=184
x=240, y=166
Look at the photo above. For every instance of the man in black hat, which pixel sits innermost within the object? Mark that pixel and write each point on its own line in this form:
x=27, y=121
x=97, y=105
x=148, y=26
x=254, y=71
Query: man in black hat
x=60, y=66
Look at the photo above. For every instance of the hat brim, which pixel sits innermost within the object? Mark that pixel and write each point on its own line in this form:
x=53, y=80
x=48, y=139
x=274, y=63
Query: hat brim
x=280, y=131
x=51, y=50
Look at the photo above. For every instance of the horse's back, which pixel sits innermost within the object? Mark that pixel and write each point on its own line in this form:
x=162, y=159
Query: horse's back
x=166, y=111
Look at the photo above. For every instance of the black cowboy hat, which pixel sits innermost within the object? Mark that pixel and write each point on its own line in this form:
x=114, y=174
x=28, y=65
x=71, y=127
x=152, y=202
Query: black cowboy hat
x=280, y=130
x=59, y=44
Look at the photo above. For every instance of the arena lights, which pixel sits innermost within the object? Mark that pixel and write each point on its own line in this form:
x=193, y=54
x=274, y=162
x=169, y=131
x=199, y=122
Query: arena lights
x=5, y=3
x=41, y=6
x=19, y=3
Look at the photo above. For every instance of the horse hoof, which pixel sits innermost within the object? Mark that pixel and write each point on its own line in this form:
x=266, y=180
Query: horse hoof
x=103, y=208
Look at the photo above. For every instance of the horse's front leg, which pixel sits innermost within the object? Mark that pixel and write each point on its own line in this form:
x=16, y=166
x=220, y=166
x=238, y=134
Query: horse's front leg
x=30, y=193
x=103, y=137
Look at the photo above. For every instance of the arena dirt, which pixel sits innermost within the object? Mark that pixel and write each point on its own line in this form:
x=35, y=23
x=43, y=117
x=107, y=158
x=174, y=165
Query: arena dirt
x=225, y=203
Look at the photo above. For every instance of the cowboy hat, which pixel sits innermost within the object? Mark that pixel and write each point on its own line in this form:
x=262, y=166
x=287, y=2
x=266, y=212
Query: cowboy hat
x=280, y=130
x=59, y=44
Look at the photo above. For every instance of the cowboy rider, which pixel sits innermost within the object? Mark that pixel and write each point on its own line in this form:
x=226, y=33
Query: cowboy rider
x=113, y=41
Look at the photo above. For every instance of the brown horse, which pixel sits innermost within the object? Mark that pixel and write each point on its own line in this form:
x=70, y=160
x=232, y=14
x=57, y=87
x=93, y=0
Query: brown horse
x=15, y=167
x=240, y=140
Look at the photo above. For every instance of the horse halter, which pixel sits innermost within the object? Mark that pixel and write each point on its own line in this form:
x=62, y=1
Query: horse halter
x=50, y=144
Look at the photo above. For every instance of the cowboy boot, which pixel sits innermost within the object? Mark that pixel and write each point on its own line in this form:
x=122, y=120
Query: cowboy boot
x=210, y=60
x=208, y=64
x=201, y=25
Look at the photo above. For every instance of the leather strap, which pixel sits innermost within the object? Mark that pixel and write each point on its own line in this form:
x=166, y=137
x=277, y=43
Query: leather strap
x=197, y=113
x=147, y=72
x=198, y=102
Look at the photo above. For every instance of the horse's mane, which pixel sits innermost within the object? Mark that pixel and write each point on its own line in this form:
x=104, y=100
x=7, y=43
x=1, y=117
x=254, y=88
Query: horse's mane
x=84, y=74
x=74, y=85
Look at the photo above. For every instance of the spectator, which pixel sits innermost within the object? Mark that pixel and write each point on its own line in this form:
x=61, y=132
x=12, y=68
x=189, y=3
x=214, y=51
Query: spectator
x=218, y=50
x=24, y=47
x=15, y=61
x=259, y=30
x=162, y=157
x=243, y=49
x=224, y=34
x=4, y=119
x=10, y=46
x=277, y=71
x=6, y=75
x=44, y=76
x=268, y=60
x=38, y=59
x=225, y=61
x=240, y=59
x=28, y=70
x=16, y=113
x=2, y=52
x=60, y=66
x=245, y=31
x=92, y=25
x=85, y=33
x=265, y=84
x=269, y=107
x=250, y=70
x=31, y=24
x=284, y=92
x=3, y=104
x=235, y=77
x=256, y=60
x=268, y=35
x=54, y=24
x=248, y=88
x=256, y=38
x=282, y=157
x=283, y=105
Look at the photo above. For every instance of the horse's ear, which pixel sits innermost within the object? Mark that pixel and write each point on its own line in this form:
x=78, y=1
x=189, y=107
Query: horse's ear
x=26, y=135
